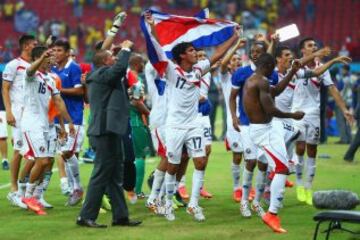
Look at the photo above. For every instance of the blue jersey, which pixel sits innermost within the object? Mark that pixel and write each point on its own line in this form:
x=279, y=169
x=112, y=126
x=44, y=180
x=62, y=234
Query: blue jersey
x=238, y=80
x=70, y=77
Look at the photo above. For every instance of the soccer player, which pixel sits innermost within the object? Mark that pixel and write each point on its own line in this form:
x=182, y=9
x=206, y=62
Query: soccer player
x=238, y=79
x=182, y=126
x=229, y=64
x=138, y=120
x=72, y=92
x=13, y=97
x=307, y=98
x=259, y=106
x=38, y=88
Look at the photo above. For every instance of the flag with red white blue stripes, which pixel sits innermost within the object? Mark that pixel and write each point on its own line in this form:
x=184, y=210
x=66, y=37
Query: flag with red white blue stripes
x=172, y=29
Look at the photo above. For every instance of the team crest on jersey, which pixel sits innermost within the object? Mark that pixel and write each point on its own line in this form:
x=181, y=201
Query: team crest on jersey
x=248, y=150
x=42, y=149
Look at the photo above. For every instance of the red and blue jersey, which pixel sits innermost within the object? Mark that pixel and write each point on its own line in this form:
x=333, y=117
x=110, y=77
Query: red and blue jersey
x=238, y=81
x=70, y=77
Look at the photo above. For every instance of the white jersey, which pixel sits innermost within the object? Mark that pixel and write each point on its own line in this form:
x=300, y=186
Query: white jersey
x=38, y=90
x=307, y=92
x=184, y=94
x=158, y=102
x=14, y=72
x=205, y=85
x=226, y=89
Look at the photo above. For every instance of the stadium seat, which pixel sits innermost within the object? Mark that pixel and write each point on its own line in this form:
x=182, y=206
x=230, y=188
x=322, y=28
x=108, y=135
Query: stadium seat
x=335, y=218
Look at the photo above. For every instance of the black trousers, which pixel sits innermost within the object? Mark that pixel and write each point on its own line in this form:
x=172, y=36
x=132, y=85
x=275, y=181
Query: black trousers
x=107, y=175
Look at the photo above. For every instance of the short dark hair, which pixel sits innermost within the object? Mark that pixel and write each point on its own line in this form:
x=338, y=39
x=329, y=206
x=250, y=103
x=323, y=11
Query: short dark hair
x=24, y=39
x=62, y=43
x=280, y=49
x=98, y=58
x=37, y=52
x=180, y=49
x=264, y=60
x=346, y=67
x=98, y=45
x=303, y=41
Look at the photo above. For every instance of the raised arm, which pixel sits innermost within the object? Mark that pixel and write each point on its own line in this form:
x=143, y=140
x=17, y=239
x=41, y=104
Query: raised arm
x=273, y=44
x=121, y=64
x=30, y=71
x=320, y=70
x=268, y=105
x=318, y=54
x=221, y=50
x=225, y=61
x=118, y=21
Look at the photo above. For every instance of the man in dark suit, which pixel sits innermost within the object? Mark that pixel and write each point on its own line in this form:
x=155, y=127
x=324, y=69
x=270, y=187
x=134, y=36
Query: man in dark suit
x=110, y=111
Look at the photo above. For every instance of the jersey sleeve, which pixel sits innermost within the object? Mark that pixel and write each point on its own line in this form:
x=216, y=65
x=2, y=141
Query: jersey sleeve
x=9, y=72
x=203, y=65
x=274, y=78
x=326, y=78
x=237, y=79
x=76, y=75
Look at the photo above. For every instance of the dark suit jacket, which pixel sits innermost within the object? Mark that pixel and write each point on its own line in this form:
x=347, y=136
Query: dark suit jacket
x=108, y=99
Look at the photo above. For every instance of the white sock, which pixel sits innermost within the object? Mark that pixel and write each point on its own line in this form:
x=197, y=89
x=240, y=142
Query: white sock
x=235, y=169
x=21, y=189
x=260, y=185
x=277, y=192
x=310, y=172
x=156, y=186
x=162, y=190
x=246, y=187
x=74, y=168
x=299, y=170
x=30, y=187
x=170, y=187
x=38, y=190
x=69, y=177
x=197, y=182
x=4, y=160
x=46, y=180
x=182, y=182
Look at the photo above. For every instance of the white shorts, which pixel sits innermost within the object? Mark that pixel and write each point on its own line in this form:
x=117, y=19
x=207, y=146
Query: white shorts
x=176, y=138
x=207, y=132
x=17, y=134
x=158, y=139
x=233, y=141
x=73, y=144
x=287, y=129
x=251, y=151
x=52, y=141
x=272, y=145
x=309, y=129
x=37, y=140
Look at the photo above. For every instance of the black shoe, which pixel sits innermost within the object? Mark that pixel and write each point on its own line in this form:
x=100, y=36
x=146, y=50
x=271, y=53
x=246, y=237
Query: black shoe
x=126, y=222
x=348, y=159
x=89, y=223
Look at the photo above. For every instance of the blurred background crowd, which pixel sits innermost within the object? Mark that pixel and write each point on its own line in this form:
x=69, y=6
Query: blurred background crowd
x=84, y=22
